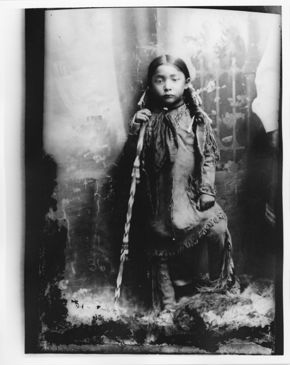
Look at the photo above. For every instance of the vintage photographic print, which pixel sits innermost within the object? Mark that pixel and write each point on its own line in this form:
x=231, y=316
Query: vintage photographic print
x=153, y=181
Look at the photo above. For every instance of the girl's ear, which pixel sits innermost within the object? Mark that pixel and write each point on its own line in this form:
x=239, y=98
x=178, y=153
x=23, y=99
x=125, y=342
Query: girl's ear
x=187, y=83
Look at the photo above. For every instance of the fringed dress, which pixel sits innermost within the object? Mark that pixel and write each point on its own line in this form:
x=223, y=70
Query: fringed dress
x=178, y=165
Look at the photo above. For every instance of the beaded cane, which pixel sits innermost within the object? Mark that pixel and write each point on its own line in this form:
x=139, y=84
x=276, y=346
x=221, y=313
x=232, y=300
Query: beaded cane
x=135, y=180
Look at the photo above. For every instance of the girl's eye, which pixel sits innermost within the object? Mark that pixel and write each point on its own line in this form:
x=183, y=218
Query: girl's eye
x=158, y=81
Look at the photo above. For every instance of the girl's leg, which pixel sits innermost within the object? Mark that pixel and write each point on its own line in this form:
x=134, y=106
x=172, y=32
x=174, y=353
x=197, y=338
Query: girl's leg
x=184, y=271
x=164, y=284
x=215, y=242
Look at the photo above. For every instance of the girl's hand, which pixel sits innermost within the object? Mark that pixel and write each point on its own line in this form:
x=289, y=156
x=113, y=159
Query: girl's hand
x=205, y=202
x=143, y=115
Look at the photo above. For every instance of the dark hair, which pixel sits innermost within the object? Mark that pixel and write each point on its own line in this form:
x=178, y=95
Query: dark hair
x=167, y=59
x=181, y=65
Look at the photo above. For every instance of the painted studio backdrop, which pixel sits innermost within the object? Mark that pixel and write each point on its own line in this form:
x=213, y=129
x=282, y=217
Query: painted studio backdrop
x=95, y=64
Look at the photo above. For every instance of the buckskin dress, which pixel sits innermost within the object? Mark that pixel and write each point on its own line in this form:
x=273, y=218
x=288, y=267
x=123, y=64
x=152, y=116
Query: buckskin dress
x=177, y=166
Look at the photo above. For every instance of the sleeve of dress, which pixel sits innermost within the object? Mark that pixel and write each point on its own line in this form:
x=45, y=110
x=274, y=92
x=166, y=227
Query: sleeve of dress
x=133, y=135
x=208, y=166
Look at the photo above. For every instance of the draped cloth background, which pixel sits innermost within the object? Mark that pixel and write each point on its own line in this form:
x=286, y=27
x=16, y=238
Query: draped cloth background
x=96, y=63
x=95, y=71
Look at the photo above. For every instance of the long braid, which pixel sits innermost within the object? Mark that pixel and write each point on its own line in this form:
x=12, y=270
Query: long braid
x=193, y=102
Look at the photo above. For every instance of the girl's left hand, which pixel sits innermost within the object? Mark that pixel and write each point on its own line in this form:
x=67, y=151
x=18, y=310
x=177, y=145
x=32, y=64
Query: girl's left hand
x=205, y=202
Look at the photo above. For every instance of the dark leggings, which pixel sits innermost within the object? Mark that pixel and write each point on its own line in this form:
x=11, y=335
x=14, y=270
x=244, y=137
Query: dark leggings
x=179, y=271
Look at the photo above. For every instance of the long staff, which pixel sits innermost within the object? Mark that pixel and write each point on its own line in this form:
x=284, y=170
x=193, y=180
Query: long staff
x=135, y=180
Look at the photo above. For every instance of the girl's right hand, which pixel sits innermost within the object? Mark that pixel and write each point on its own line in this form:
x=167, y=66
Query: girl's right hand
x=142, y=116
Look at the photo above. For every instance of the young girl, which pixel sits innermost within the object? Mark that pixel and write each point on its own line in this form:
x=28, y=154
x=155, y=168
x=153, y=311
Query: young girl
x=178, y=171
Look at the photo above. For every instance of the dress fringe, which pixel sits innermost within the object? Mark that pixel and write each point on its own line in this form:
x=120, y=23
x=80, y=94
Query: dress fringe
x=227, y=280
x=191, y=240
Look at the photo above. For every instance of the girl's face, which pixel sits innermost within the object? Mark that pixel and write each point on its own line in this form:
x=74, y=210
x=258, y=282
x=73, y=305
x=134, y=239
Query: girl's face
x=168, y=84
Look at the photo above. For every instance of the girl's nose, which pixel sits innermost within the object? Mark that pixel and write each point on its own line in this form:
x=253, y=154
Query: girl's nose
x=167, y=85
